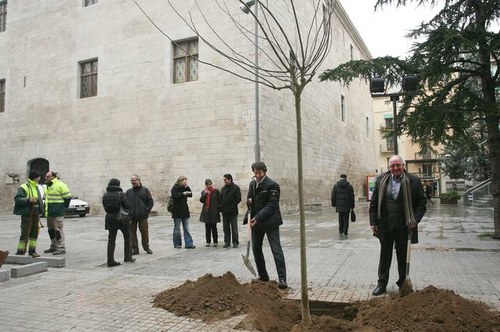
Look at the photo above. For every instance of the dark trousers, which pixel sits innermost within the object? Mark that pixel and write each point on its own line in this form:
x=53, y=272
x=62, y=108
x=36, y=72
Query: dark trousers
x=144, y=229
x=230, y=226
x=125, y=229
x=273, y=236
x=29, y=234
x=343, y=222
x=211, y=231
x=389, y=240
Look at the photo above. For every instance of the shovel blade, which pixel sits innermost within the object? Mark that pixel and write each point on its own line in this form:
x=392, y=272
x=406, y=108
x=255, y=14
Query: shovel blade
x=407, y=288
x=248, y=264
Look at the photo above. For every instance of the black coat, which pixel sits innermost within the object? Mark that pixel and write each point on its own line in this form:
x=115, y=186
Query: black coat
x=343, y=196
x=212, y=216
x=141, y=202
x=265, y=207
x=110, y=220
x=419, y=204
x=230, y=198
x=181, y=208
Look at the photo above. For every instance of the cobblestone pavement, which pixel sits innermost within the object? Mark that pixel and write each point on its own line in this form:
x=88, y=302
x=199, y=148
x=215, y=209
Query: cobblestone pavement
x=88, y=296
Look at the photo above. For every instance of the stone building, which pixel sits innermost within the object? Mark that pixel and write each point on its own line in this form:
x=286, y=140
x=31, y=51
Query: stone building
x=92, y=90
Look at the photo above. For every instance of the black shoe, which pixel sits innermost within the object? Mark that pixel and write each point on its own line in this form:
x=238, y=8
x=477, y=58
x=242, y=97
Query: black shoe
x=129, y=260
x=49, y=251
x=149, y=251
x=263, y=279
x=113, y=263
x=379, y=291
x=135, y=252
x=20, y=253
x=192, y=247
x=345, y=232
x=177, y=247
x=282, y=284
x=235, y=246
x=226, y=246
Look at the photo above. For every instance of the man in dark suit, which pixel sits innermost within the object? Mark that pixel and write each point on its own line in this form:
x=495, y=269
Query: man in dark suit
x=397, y=205
x=343, y=201
x=263, y=200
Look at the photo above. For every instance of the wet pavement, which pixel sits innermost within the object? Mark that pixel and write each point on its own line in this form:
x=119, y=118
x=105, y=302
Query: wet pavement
x=453, y=253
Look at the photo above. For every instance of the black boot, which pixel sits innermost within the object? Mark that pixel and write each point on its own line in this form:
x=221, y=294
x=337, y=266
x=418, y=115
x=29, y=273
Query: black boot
x=128, y=252
x=111, y=255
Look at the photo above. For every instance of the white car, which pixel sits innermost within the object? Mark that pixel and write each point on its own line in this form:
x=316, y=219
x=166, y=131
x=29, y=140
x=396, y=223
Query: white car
x=77, y=207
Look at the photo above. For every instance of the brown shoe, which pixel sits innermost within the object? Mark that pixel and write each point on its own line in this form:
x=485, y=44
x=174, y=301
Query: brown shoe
x=34, y=254
x=3, y=257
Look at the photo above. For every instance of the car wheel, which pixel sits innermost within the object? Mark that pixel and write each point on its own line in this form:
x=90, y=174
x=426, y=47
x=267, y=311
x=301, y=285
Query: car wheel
x=82, y=215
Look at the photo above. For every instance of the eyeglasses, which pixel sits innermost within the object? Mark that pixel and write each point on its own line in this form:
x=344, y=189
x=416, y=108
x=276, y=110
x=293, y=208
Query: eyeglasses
x=395, y=165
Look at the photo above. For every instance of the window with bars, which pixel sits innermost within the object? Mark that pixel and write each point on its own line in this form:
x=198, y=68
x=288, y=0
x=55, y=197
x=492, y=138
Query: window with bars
x=3, y=15
x=186, y=61
x=87, y=3
x=88, y=78
x=2, y=95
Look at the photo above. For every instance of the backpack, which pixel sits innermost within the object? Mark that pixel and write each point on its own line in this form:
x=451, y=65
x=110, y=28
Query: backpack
x=112, y=202
x=170, y=205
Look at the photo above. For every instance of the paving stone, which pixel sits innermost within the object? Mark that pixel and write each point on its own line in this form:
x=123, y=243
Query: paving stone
x=4, y=274
x=17, y=259
x=52, y=261
x=28, y=269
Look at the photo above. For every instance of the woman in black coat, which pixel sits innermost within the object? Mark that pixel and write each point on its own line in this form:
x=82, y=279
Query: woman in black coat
x=180, y=213
x=113, y=199
x=210, y=213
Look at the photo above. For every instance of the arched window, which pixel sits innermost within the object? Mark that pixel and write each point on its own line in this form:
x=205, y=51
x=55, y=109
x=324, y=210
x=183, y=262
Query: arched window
x=41, y=165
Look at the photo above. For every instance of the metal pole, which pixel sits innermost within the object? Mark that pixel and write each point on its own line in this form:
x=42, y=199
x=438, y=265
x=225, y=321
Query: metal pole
x=257, y=125
x=394, y=100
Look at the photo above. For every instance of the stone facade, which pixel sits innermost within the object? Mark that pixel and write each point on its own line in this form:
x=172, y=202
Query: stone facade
x=142, y=123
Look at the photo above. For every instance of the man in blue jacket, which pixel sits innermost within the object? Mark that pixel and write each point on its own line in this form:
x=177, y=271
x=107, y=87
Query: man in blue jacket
x=265, y=219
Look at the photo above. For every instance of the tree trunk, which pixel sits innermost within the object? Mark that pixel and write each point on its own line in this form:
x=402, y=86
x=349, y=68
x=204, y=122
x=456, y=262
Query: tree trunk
x=306, y=314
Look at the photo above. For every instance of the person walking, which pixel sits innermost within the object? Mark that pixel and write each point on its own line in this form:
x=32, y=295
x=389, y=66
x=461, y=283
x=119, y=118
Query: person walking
x=397, y=205
x=343, y=201
x=180, y=213
x=265, y=218
x=29, y=205
x=230, y=198
x=428, y=192
x=210, y=212
x=112, y=201
x=57, y=199
x=141, y=203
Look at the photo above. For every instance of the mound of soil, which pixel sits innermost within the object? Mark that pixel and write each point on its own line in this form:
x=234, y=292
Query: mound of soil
x=431, y=309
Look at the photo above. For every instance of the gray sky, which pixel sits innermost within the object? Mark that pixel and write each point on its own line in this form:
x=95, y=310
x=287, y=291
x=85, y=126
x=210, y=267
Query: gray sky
x=383, y=31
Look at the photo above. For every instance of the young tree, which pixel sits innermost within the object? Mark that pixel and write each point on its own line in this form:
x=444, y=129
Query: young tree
x=457, y=61
x=293, y=43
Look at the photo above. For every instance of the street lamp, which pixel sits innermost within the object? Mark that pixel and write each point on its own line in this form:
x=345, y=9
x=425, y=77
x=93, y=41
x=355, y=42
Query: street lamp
x=246, y=9
x=409, y=86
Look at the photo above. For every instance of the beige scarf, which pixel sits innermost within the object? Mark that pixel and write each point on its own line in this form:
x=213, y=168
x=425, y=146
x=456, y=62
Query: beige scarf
x=407, y=200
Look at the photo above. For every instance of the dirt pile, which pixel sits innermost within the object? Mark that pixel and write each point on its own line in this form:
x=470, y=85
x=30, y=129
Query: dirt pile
x=216, y=298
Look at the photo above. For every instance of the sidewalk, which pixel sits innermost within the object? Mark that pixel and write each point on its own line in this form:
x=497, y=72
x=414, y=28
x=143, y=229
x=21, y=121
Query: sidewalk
x=87, y=295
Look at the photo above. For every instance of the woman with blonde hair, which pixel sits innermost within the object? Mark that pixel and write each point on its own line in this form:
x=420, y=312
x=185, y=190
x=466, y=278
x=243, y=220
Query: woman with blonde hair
x=180, y=213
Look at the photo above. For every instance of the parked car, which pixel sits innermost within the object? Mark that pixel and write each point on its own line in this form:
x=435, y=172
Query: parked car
x=77, y=207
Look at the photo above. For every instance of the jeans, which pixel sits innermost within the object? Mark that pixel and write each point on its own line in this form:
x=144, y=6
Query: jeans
x=273, y=236
x=188, y=240
x=230, y=226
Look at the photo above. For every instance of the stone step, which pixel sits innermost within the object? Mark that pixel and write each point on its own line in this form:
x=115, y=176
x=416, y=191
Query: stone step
x=23, y=260
x=28, y=269
x=4, y=275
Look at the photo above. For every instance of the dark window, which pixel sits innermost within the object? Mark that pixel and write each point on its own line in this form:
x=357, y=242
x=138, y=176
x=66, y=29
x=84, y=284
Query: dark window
x=88, y=78
x=389, y=124
x=87, y=3
x=2, y=96
x=352, y=52
x=3, y=15
x=427, y=169
x=186, y=61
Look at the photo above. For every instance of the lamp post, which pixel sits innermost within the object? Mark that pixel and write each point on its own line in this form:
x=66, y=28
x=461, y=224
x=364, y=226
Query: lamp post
x=377, y=89
x=246, y=9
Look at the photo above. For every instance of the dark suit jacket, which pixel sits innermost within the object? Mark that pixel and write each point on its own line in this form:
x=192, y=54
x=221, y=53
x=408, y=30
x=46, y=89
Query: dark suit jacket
x=419, y=204
x=265, y=206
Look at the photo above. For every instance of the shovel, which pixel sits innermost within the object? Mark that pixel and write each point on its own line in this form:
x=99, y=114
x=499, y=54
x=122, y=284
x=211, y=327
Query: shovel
x=407, y=287
x=246, y=260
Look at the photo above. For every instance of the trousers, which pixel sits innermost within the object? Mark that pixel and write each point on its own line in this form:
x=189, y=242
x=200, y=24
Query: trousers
x=273, y=236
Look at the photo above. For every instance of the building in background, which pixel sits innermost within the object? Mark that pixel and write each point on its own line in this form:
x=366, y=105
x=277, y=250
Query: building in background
x=92, y=90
